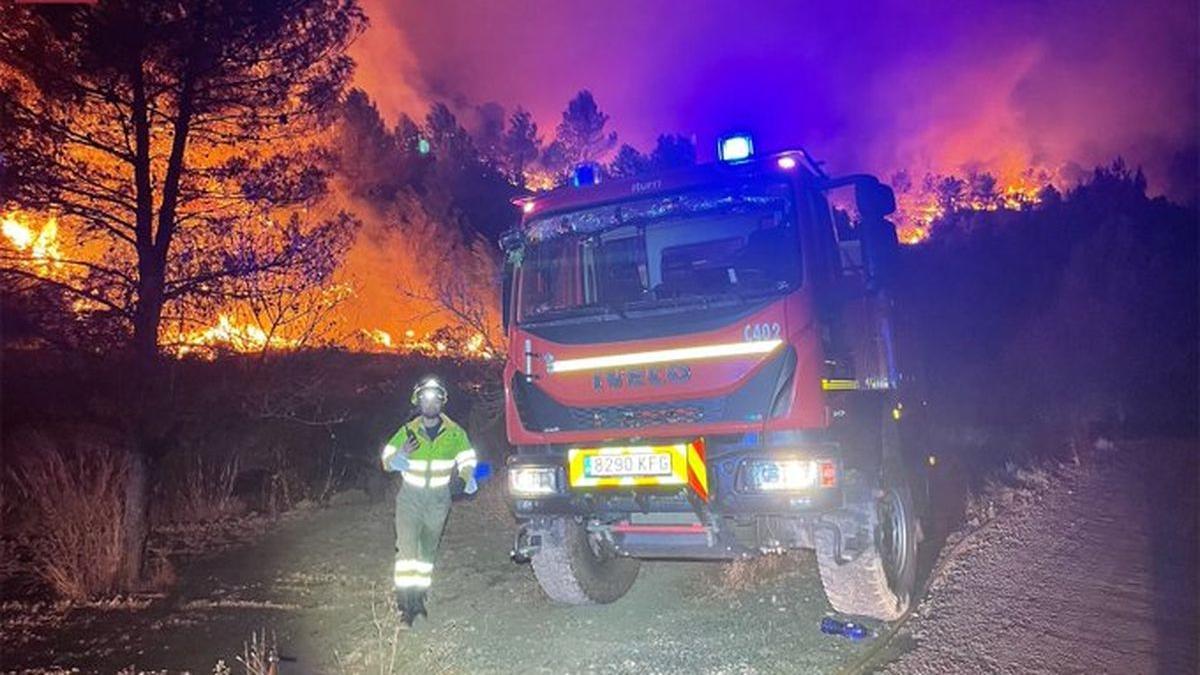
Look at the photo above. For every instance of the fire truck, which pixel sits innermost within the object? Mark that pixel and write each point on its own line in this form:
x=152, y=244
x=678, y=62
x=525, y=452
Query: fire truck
x=701, y=367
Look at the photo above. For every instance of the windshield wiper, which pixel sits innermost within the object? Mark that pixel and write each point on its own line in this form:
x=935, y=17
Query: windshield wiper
x=709, y=298
x=574, y=313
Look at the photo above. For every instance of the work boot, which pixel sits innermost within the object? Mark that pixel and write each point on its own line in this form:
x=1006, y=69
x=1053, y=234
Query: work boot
x=403, y=607
x=418, y=606
x=409, y=605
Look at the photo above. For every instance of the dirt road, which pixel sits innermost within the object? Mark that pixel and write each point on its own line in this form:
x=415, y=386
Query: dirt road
x=1095, y=575
x=1099, y=575
x=319, y=582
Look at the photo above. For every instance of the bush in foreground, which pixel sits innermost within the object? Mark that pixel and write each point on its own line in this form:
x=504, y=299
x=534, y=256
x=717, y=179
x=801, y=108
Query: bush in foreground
x=77, y=499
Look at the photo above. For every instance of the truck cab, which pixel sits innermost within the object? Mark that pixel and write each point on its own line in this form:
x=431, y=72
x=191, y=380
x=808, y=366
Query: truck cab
x=701, y=366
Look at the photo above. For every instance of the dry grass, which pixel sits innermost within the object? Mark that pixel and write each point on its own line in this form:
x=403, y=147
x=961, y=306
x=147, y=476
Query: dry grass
x=77, y=501
x=387, y=647
x=259, y=656
x=206, y=493
x=160, y=572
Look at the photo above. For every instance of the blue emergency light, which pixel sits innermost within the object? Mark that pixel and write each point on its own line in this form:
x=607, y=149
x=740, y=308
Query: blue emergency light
x=584, y=175
x=735, y=147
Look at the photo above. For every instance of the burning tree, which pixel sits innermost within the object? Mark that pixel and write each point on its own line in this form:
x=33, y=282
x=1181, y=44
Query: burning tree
x=178, y=144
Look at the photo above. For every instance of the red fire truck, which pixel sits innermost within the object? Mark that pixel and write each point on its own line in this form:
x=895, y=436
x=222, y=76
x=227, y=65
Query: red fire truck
x=701, y=367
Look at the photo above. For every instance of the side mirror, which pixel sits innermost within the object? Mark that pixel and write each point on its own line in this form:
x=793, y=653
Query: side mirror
x=874, y=199
x=880, y=245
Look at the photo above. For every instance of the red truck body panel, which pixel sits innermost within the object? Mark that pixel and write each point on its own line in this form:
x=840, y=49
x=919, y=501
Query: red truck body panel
x=706, y=378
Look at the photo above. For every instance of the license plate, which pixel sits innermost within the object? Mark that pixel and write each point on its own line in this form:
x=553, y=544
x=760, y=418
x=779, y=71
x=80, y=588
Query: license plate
x=607, y=466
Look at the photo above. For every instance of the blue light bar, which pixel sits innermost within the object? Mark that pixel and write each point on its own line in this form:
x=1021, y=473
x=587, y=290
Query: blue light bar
x=735, y=148
x=584, y=175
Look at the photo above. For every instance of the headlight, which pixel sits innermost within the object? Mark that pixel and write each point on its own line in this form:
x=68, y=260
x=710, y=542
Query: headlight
x=763, y=475
x=533, y=480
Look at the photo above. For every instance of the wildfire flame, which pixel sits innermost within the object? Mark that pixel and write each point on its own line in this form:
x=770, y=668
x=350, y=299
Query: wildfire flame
x=229, y=335
x=917, y=210
x=474, y=347
x=40, y=246
x=38, y=250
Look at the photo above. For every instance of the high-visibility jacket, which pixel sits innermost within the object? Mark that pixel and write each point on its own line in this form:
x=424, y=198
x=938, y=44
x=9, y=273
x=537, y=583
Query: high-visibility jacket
x=430, y=465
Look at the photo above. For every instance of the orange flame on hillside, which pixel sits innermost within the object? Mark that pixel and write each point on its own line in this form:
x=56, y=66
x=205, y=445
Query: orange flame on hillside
x=40, y=246
x=38, y=250
x=228, y=335
x=918, y=209
x=430, y=344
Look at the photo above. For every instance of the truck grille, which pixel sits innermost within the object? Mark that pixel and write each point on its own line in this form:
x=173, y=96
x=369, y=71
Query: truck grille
x=539, y=412
x=633, y=416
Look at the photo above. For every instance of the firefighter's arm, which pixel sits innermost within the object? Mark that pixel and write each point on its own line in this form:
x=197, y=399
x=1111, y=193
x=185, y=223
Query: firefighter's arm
x=394, y=456
x=465, y=462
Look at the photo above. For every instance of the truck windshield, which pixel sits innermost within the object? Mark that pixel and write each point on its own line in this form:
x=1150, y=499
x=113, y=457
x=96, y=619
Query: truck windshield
x=666, y=251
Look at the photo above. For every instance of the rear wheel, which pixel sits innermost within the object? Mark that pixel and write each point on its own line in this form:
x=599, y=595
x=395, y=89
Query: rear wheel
x=880, y=582
x=573, y=567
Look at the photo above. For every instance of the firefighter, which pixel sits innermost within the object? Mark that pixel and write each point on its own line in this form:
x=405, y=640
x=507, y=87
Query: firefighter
x=429, y=451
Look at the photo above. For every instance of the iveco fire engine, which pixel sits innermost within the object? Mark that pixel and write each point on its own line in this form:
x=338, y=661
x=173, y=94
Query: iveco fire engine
x=701, y=366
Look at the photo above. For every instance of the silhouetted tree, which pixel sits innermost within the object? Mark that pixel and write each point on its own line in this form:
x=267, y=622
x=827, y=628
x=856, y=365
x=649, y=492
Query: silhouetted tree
x=581, y=134
x=449, y=140
x=408, y=135
x=179, y=135
x=981, y=190
x=521, y=145
x=488, y=133
x=628, y=163
x=368, y=154
x=949, y=191
x=672, y=151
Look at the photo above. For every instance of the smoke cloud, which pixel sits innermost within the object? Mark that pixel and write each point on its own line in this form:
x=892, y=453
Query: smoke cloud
x=879, y=87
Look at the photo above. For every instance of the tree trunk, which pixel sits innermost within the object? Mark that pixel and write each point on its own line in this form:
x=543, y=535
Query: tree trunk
x=134, y=522
x=147, y=317
x=135, y=528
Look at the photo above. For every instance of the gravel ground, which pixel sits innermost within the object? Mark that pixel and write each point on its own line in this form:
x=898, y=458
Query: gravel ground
x=1094, y=571
x=319, y=583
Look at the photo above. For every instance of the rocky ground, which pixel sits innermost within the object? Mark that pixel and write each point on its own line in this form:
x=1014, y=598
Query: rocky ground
x=1091, y=568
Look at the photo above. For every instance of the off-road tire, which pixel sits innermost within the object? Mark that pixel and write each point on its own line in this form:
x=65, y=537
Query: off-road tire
x=570, y=572
x=861, y=587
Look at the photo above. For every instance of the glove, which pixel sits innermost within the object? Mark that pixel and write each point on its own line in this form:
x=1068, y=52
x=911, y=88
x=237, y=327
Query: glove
x=472, y=487
x=394, y=459
x=399, y=462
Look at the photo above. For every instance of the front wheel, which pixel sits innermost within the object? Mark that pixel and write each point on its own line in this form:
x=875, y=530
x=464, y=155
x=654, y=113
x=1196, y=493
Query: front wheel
x=572, y=567
x=880, y=582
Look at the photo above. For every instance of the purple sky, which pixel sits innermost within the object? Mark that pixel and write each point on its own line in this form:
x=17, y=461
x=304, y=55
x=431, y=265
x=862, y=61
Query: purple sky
x=868, y=86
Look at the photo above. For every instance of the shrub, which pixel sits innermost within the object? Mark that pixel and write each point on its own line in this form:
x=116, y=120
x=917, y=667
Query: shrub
x=78, y=501
x=206, y=492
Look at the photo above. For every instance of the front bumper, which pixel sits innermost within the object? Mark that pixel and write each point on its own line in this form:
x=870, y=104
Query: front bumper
x=727, y=493
x=676, y=522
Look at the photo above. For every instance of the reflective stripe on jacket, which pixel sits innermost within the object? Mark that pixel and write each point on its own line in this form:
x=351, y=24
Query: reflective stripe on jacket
x=430, y=465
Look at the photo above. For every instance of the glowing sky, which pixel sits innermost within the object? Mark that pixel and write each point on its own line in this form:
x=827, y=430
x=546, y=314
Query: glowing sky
x=868, y=86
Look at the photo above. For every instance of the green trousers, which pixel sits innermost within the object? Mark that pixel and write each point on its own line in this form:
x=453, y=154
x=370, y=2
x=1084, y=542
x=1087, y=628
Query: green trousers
x=420, y=516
